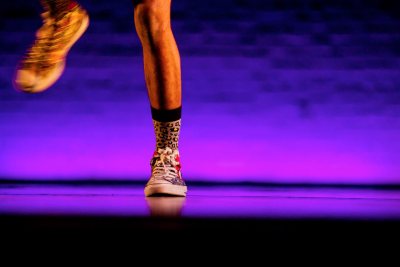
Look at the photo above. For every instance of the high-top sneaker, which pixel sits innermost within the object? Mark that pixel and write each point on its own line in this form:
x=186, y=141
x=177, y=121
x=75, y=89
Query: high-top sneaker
x=44, y=61
x=166, y=178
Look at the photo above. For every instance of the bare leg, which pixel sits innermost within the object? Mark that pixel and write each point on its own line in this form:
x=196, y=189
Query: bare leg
x=160, y=53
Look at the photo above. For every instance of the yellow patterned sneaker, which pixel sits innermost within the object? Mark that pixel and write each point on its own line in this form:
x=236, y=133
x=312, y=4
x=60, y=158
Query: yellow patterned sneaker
x=166, y=178
x=44, y=61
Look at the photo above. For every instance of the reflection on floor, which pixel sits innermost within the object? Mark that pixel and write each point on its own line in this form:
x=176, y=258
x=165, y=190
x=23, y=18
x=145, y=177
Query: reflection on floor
x=202, y=202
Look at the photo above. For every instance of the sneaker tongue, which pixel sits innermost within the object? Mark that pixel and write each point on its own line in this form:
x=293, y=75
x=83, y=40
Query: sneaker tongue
x=161, y=159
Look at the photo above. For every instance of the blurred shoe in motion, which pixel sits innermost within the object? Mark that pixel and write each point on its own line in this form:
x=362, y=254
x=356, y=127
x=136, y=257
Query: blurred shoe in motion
x=44, y=61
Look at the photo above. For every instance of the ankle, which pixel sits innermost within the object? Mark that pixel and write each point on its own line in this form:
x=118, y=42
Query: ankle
x=58, y=8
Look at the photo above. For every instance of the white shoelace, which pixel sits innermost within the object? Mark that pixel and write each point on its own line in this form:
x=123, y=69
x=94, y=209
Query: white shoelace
x=164, y=167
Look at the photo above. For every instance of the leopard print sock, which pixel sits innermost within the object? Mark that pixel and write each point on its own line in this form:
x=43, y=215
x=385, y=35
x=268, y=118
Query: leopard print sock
x=167, y=133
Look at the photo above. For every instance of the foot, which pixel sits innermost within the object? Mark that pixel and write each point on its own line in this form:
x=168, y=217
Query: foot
x=166, y=178
x=44, y=62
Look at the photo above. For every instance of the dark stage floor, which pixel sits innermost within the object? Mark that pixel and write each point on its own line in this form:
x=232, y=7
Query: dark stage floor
x=235, y=216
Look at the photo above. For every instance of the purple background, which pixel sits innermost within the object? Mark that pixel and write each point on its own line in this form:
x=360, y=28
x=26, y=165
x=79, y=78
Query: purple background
x=274, y=91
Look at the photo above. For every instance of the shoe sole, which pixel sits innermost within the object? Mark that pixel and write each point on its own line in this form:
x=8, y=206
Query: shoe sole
x=42, y=86
x=165, y=189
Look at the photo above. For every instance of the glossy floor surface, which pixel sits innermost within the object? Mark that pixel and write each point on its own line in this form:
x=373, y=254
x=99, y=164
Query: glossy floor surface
x=93, y=217
x=213, y=202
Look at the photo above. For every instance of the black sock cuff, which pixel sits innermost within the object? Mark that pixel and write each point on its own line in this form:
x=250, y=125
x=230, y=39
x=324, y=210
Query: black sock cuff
x=166, y=115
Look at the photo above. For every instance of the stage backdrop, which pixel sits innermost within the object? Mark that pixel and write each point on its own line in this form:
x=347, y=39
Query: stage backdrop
x=273, y=91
